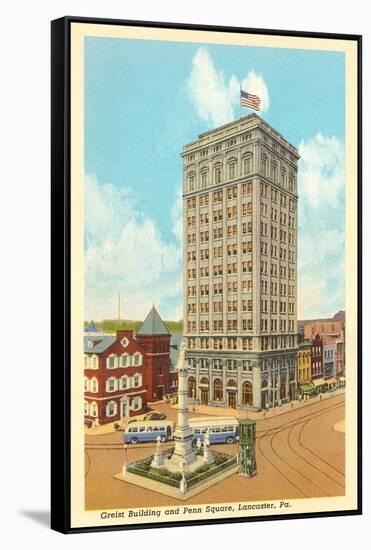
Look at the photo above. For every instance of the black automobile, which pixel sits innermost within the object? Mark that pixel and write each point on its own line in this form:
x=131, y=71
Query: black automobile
x=154, y=416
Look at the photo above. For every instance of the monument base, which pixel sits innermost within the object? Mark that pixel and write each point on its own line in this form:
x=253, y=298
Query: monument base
x=175, y=492
x=174, y=464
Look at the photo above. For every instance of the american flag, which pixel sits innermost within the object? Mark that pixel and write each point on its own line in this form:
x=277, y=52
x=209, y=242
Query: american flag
x=250, y=100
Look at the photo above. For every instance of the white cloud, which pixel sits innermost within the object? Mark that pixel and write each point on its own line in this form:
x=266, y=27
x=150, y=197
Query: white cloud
x=322, y=170
x=125, y=252
x=213, y=96
x=177, y=214
x=321, y=243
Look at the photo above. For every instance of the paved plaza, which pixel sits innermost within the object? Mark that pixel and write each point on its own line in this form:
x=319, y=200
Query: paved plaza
x=299, y=454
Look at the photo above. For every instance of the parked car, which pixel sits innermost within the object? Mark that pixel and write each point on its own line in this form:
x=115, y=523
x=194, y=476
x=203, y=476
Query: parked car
x=154, y=416
x=120, y=426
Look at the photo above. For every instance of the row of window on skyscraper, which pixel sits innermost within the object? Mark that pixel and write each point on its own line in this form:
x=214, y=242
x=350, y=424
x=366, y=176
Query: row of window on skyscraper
x=246, y=343
x=245, y=305
x=267, y=169
x=246, y=325
x=246, y=190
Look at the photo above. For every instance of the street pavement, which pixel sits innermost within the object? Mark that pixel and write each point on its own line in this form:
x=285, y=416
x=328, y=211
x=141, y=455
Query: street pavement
x=299, y=454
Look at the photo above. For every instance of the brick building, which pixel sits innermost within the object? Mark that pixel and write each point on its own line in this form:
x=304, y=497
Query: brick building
x=329, y=365
x=304, y=367
x=317, y=356
x=159, y=378
x=114, y=377
x=329, y=330
x=317, y=363
x=124, y=372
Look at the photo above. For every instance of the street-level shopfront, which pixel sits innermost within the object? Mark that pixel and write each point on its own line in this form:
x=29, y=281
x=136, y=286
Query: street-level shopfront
x=320, y=385
x=332, y=383
x=307, y=390
x=341, y=381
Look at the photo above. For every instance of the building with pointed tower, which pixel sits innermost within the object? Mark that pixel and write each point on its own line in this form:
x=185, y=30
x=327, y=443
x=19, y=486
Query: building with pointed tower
x=154, y=338
x=123, y=372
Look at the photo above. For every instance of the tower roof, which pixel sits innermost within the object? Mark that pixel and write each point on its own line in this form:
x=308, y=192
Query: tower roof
x=153, y=324
x=91, y=327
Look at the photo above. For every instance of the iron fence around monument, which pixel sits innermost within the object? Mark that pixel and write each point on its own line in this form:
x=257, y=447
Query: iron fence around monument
x=211, y=472
x=154, y=477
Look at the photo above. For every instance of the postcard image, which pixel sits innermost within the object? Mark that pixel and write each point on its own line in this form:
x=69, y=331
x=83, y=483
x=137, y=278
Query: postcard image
x=214, y=274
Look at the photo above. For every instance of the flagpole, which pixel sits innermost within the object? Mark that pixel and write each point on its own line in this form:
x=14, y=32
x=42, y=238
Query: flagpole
x=240, y=99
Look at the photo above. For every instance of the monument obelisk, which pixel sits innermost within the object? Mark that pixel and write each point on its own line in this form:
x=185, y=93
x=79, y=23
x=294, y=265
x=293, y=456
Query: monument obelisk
x=183, y=455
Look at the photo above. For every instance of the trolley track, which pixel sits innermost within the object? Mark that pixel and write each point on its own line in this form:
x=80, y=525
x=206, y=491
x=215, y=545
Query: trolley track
x=316, y=454
x=270, y=435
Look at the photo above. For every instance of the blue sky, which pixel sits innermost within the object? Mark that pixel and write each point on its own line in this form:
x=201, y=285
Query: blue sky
x=143, y=101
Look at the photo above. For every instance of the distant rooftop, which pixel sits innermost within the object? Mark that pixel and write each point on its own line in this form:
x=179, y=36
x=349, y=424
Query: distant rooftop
x=239, y=125
x=305, y=344
x=152, y=325
x=92, y=328
x=97, y=344
x=339, y=316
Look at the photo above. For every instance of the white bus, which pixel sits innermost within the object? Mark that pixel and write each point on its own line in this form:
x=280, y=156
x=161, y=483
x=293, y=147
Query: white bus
x=148, y=430
x=222, y=429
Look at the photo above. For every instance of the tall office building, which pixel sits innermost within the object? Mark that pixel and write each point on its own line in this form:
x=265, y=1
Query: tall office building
x=240, y=265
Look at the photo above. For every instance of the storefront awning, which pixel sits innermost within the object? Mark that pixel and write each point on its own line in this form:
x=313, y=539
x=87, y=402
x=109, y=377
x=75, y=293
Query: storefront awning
x=341, y=379
x=331, y=381
x=307, y=387
x=319, y=382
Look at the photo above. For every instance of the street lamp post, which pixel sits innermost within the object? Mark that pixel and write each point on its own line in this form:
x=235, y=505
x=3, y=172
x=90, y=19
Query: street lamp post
x=125, y=465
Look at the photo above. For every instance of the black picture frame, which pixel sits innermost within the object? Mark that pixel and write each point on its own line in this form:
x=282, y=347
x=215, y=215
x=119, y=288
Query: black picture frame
x=61, y=269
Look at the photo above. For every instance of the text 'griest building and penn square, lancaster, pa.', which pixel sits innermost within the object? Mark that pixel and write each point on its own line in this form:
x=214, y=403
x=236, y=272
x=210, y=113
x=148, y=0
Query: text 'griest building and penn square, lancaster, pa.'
x=244, y=346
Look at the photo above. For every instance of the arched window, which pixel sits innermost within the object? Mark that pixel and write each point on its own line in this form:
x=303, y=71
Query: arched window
x=274, y=171
x=191, y=182
x=111, y=384
x=247, y=393
x=247, y=164
x=191, y=387
x=93, y=409
x=264, y=164
x=111, y=362
x=86, y=408
x=232, y=170
x=137, y=380
x=218, y=174
x=136, y=403
x=204, y=179
x=111, y=408
x=232, y=384
x=94, y=385
x=283, y=177
x=124, y=382
x=218, y=390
